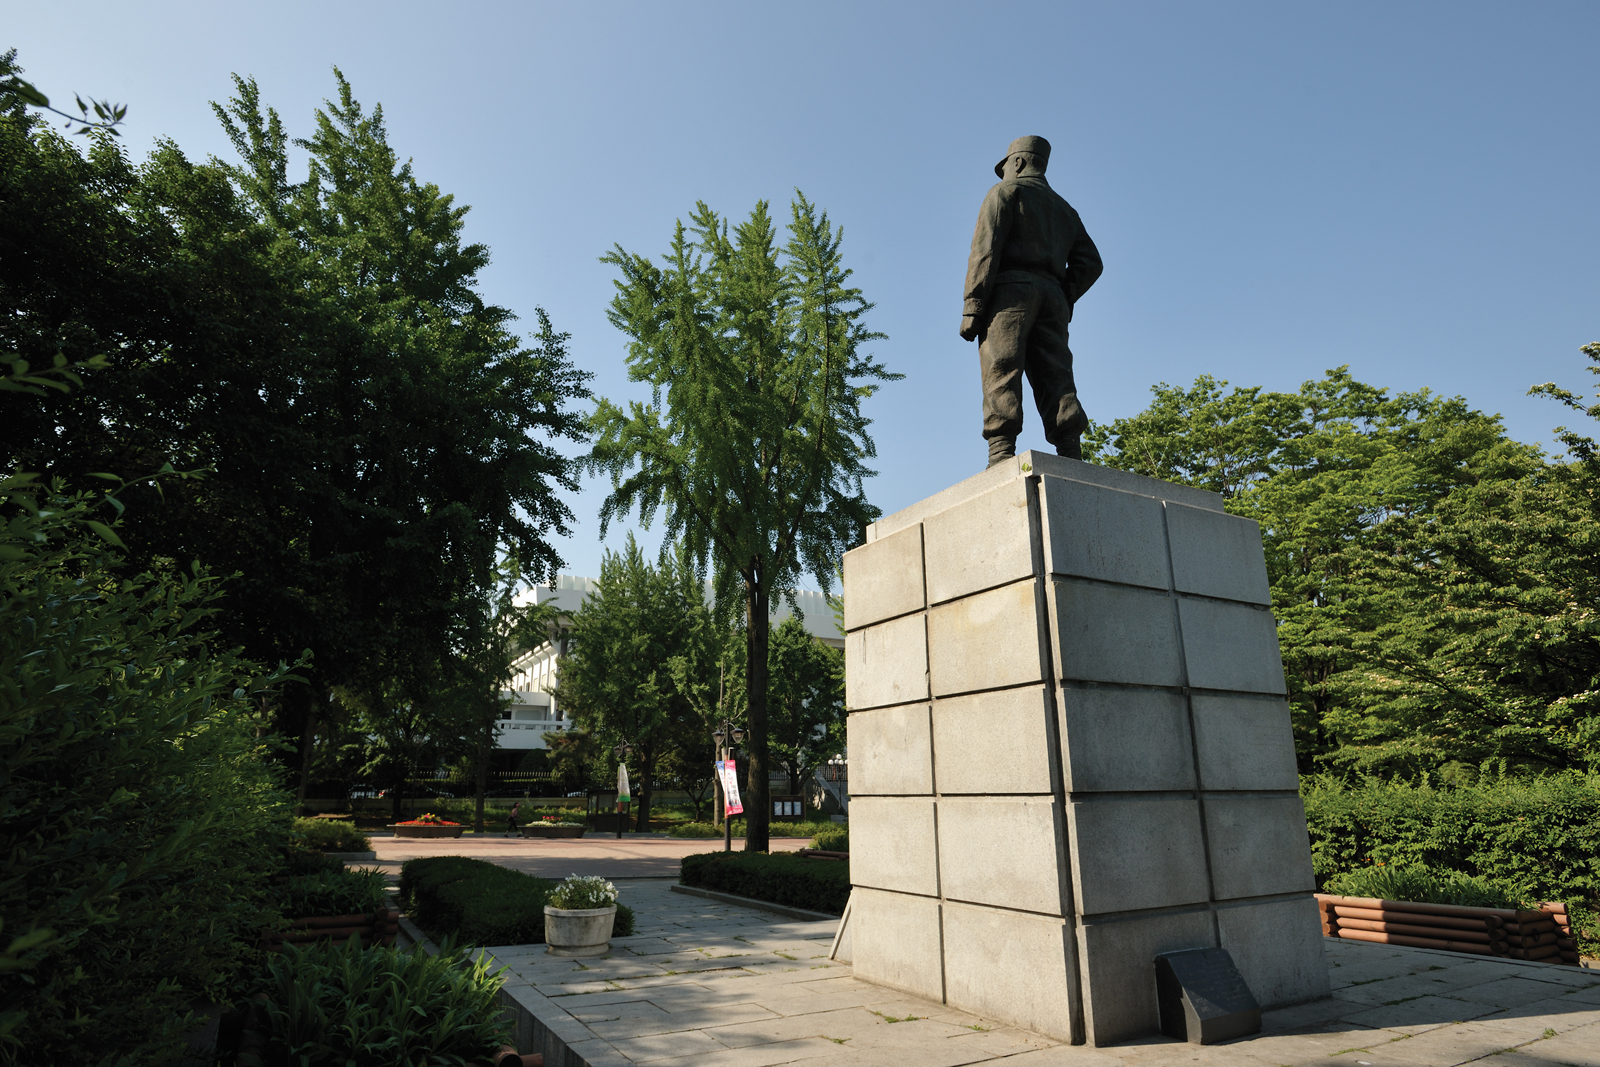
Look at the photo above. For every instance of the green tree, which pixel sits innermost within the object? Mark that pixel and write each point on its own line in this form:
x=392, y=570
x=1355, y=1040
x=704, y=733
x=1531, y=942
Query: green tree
x=616, y=683
x=754, y=442
x=805, y=681
x=1330, y=473
x=377, y=436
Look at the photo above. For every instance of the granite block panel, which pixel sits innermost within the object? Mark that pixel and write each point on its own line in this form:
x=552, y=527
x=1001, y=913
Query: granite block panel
x=894, y=941
x=994, y=742
x=1107, y=633
x=979, y=544
x=1001, y=851
x=893, y=845
x=1119, y=969
x=1244, y=743
x=1217, y=555
x=886, y=663
x=1259, y=846
x=1008, y=966
x=1110, y=536
x=891, y=751
x=986, y=641
x=1277, y=946
x=1130, y=853
x=1124, y=740
x=884, y=579
x=1231, y=646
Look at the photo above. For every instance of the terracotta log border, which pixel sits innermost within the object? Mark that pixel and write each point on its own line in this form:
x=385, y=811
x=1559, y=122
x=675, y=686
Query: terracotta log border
x=541, y=830
x=1542, y=935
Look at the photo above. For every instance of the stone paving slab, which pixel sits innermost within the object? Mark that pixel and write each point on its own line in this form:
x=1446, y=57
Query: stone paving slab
x=716, y=985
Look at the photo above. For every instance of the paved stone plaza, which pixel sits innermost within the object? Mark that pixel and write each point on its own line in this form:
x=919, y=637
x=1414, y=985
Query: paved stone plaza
x=717, y=985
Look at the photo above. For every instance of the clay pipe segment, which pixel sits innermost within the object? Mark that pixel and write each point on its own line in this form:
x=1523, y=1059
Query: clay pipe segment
x=1439, y=932
x=1416, y=918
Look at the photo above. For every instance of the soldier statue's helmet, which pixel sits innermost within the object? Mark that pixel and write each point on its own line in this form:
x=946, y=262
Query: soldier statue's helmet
x=1033, y=146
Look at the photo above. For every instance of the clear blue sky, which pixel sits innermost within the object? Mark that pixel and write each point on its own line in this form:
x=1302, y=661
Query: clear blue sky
x=1277, y=188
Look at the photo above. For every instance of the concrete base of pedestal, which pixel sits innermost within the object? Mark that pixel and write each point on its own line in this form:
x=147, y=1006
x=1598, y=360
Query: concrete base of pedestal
x=1070, y=751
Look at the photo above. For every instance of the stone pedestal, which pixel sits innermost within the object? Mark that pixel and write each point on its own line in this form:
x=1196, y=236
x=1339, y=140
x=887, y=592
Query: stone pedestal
x=1070, y=751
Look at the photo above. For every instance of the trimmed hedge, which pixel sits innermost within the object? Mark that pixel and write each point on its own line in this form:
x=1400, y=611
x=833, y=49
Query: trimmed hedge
x=779, y=877
x=481, y=903
x=834, y=839
x=1536, y=839
x=330, y=835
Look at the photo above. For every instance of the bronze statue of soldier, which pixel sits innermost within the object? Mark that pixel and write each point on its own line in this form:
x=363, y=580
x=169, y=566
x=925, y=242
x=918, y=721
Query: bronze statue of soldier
x=1031, y=260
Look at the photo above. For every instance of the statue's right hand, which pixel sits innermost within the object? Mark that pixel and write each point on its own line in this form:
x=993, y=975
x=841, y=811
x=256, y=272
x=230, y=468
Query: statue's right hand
x=969, y=328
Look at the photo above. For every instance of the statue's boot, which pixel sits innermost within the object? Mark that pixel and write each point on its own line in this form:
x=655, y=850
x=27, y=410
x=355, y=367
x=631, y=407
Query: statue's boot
x=1072, y=448
x=1002, y=449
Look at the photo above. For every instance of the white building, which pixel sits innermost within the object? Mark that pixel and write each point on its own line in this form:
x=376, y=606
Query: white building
x=533, y=711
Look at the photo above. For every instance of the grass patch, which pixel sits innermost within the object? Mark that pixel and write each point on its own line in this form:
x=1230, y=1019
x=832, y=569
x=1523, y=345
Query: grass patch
x=777, y=829
x=779, y=878
x=1425, y=885
x=482, y=903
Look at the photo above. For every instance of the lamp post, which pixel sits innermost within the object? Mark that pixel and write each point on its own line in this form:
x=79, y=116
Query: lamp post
x=622, y=752
x=735, y=735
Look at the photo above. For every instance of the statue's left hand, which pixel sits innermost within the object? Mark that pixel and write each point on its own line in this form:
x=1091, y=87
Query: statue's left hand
x=969, y=328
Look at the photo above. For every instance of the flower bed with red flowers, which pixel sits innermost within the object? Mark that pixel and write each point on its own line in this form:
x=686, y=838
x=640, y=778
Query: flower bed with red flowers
x=427, y=820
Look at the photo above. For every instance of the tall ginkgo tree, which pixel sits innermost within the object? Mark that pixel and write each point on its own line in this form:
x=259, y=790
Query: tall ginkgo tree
x=753, y=445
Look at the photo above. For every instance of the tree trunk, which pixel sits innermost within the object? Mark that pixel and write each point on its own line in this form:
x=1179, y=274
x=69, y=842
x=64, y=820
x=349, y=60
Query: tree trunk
x=647, y=769
x=483, y=771
x=308, y=736
x=757, y=808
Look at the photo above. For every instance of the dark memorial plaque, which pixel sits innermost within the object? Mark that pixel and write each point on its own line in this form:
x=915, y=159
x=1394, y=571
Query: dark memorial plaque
x=1202, y=998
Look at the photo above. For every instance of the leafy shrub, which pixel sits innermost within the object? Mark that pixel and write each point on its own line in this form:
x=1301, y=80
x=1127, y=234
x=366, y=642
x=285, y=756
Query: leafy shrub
x=297, y=861
x=834, y=839
x=695, y=829
x=136, y=802
x=1535, y=839
x=338, y=892
x=1422, y=884
x=343, y=1004
x=482, y=903
x=778, y=877
x=331, y=835
x=583, y=891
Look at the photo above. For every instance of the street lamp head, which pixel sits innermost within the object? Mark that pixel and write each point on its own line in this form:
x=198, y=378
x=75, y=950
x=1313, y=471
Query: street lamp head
x=738, y=736
x=717, y=736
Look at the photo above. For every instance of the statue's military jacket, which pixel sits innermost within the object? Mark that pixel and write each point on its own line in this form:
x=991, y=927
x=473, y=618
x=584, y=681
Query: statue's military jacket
x=1025, y=225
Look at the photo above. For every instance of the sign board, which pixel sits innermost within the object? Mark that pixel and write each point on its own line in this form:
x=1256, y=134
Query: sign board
x=728, y=775
x=788, y=807
x=1202, y=998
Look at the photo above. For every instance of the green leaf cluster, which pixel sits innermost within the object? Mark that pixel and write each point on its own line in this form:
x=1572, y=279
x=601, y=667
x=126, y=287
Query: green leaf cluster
x=376, y=435
x=1434, y=582
x=138, y=817
x=336, y=892
x=381, y=1007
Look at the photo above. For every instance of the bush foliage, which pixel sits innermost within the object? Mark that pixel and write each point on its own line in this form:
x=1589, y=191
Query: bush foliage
x=834, y=839
x=340, y=892
x=136, y=804
x=1535, y=839
x=1421, y=884
x=330, y=835
x=781, y=878
x=344, y=1004
x=482, y=903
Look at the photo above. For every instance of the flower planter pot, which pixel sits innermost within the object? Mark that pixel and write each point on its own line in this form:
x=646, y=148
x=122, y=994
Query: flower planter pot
x=426, y=830
x=579, y=931
x=538, y=830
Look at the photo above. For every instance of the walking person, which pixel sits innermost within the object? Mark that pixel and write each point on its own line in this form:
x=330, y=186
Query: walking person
x=512, y=818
